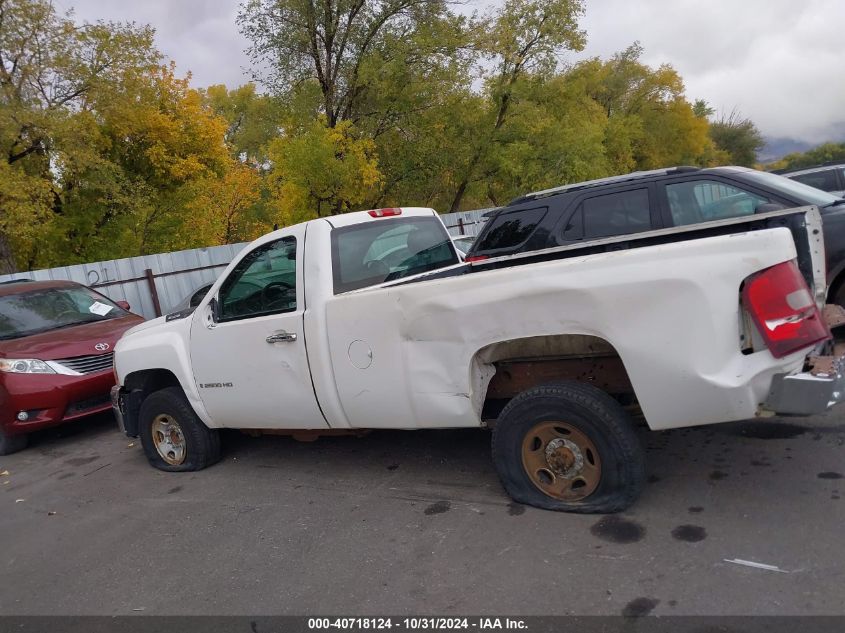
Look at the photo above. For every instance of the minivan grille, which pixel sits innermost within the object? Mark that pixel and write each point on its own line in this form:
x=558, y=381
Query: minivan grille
x=84, y=405
x=88, y=364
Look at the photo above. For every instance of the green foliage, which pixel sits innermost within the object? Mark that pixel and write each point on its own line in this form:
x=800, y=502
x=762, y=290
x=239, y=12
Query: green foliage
x=330, y=42
x=824, y=153
x=738, y=138
x=323, y=171
x=253, y=119
x=104, y=148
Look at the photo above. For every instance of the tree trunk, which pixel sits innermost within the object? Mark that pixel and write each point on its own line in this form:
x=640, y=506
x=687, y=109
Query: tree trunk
x=7, y=259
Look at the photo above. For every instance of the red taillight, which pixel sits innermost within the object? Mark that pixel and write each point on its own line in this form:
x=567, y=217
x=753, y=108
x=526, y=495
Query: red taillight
x=475, y=258
x=782, y=308
x=385, y=213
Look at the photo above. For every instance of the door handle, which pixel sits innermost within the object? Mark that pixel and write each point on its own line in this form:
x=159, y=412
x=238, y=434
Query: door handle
x=281, y=337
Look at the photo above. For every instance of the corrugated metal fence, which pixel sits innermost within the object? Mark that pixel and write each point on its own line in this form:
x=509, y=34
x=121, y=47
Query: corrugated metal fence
x=155, y=284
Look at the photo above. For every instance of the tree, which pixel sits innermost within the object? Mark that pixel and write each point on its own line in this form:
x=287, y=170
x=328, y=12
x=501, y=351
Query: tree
x=650, y=123
x=523, y=36
x=824, y=153
x=253, y=119
x=328, y=41
x=702, y=109
x=157, y=142
x=50, y=70
x=221, y=212
x=738, y=137
x=323, y=171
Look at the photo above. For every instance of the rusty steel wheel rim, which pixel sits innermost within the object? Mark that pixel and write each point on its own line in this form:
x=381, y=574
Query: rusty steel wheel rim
x=169, y=439
x=561, y=461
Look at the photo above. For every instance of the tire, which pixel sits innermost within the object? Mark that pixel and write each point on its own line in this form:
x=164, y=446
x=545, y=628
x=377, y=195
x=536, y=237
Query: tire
x=12, y=443
x=568, y=447
x=838, y=295
x=184, y=443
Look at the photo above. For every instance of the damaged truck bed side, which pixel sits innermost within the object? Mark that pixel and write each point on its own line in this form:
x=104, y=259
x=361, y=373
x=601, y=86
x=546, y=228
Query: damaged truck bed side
x=369, y=320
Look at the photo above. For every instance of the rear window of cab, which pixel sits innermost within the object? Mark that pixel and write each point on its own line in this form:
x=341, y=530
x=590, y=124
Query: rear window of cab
x=385, y=250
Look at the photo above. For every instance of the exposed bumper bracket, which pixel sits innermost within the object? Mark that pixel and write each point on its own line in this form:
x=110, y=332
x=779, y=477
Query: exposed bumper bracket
x=810, y=392
x=127, y=422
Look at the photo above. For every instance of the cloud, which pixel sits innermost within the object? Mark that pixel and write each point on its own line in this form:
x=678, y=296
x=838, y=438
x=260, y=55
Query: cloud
x=778, y=62
x=201, y=36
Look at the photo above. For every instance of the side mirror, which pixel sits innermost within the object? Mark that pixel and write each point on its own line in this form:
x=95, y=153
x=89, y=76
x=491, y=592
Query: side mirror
x=215, y=309
x=124, y=305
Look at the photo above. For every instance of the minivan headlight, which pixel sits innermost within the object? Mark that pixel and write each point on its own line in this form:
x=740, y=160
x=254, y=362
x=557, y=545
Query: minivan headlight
x=25, y=366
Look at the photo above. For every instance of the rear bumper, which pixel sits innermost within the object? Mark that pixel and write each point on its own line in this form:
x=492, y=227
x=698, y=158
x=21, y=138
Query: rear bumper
x=811, y=392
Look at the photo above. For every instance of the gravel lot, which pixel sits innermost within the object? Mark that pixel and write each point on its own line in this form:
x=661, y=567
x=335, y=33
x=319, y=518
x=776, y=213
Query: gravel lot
x=416, y=522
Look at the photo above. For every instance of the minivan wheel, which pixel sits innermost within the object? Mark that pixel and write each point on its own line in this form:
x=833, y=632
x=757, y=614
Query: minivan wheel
x=569, y=447
x=173, y=436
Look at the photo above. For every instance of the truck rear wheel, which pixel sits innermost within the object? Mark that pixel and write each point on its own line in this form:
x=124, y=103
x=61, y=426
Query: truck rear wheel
x=569, y=447
x=173, y=437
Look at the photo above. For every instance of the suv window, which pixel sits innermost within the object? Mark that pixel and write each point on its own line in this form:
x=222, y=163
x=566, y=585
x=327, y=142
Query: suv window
x=824, y=179
x=707, y=200
x=369, y=254
x=509, y=229
x=615, y=214
x=263, y=282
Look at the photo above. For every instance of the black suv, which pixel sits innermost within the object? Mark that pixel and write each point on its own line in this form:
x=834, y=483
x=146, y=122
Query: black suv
x=649, y=200
x=827, y=177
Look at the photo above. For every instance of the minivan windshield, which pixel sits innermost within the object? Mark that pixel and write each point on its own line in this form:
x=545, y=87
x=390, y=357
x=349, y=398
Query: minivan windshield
x=26, y=313
x=794, y=189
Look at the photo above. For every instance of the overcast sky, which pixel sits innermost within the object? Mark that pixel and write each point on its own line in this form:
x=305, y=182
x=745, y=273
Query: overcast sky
x=779, y=62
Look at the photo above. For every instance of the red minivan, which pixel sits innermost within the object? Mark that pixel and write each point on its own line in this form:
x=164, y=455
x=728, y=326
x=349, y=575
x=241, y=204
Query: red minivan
x=56, y=346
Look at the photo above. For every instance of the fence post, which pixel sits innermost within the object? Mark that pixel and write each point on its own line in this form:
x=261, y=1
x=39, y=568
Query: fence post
x=151, y=280
x=461, y=225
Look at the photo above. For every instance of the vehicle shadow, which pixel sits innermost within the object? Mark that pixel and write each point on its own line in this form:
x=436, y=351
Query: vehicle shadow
x=456, y=465
x=66, y=438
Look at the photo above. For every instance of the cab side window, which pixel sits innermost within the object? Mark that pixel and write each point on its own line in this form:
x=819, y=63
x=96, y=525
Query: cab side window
x=708, y=200
x=263, y=282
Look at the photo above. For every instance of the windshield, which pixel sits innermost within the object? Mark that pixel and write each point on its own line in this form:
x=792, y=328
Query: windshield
x=47, y=309
x=793, y=189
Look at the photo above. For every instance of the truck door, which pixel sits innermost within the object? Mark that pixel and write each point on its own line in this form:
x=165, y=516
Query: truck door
x=248, y=353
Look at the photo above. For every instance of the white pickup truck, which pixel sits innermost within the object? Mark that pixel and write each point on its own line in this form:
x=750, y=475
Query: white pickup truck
x=370, y=320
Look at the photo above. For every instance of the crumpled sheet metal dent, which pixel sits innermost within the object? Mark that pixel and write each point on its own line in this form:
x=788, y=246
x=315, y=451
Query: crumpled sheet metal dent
x=675, y=329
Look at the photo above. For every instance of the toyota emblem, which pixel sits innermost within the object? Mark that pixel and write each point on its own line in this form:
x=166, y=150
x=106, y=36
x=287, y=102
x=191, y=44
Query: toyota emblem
x=101, y=347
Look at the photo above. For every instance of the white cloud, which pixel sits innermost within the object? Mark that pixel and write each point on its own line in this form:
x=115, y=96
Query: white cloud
x=779, y=62
x=199, y=35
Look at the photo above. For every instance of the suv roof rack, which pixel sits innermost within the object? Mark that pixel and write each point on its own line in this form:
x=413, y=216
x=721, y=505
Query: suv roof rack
x=683, y=169
x=790, y=170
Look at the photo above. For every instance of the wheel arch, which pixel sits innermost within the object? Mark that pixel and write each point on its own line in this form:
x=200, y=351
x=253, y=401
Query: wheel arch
x=837, y=282
x=140, y=384
x=506, y=368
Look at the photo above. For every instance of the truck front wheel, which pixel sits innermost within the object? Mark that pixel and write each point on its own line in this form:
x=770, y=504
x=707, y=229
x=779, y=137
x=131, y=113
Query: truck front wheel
x=173, y=437
x=569, y=447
